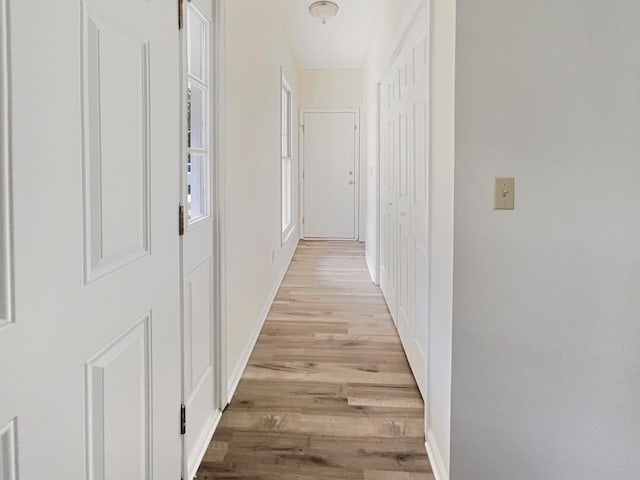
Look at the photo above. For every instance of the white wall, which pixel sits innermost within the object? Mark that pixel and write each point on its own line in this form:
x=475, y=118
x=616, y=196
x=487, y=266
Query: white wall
x=441, y=185
x=546, y=364
x=330, y=88
x=255, y=50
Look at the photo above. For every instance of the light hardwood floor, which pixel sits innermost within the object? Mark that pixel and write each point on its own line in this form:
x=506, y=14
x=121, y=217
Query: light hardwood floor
x=327, y=393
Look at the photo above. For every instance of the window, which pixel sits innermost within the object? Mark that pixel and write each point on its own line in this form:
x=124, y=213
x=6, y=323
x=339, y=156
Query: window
x=286, y=161
x=198, y=115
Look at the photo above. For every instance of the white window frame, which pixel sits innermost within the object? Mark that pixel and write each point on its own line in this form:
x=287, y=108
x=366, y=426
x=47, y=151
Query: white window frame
x=205, y=85
x=287, y=223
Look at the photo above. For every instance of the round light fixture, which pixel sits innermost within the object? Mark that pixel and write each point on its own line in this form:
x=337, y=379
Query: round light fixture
x=324, y=11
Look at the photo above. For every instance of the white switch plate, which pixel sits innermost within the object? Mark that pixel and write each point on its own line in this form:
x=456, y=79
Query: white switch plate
x=505, y=193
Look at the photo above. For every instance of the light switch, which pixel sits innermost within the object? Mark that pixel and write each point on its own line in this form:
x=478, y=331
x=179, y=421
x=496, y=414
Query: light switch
x=505, y=193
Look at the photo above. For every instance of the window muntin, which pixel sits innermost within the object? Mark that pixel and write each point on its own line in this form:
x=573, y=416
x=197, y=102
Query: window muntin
x=198, y=116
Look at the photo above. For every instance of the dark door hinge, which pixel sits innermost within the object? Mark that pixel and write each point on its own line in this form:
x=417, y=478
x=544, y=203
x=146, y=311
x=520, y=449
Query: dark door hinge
x=180, y=14
x=181, y=220
x=183, y=419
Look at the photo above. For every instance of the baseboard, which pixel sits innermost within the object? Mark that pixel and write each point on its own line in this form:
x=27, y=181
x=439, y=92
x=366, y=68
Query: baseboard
x=211, y=428
x=241, y=364
x=372, y=270
x=435, y=458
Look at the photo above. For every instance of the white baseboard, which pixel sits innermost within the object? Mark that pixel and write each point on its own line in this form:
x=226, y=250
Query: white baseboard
x=204, y=444
x=372, y=270
x=241, y=364
x=435, y=458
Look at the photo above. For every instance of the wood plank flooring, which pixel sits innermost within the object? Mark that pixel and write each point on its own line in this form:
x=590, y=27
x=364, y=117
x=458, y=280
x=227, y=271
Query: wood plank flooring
x=328, y=393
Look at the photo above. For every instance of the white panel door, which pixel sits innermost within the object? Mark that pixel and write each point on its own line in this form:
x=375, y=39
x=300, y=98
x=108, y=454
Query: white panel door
x=199, y=376
x=388, y=194
x=404, y=184
x=89, y=342
x=330, y=191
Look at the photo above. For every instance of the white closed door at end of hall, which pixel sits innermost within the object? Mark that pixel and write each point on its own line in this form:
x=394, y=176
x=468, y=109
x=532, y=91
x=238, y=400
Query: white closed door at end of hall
x=330, y=190
x=90, y=310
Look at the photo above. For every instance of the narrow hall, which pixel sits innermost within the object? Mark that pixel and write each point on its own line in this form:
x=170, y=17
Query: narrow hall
x=327, y=392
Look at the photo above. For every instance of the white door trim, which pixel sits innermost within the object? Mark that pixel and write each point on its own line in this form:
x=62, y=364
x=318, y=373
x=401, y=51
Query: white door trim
x=6, y=207
x=356, y=112
x=219, y=207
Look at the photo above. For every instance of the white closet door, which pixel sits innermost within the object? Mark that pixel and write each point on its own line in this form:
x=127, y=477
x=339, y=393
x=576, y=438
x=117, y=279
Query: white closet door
x=90, y=353
x=404, y=183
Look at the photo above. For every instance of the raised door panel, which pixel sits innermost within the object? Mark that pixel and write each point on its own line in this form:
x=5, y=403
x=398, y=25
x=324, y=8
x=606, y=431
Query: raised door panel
x=9, y=451
x=116, y=144
x=199, y=374
x=119, y=408
x=198, y=316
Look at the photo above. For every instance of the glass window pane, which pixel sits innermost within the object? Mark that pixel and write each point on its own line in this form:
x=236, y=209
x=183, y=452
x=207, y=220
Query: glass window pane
x=196, y=186
x=287, y=203
x=196, y=44
x=196, y=116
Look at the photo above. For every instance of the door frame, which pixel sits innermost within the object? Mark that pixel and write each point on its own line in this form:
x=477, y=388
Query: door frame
x=217, y=208
x=356, y=173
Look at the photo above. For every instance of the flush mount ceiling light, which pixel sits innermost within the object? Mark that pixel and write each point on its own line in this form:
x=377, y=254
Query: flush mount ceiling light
x=324, y=11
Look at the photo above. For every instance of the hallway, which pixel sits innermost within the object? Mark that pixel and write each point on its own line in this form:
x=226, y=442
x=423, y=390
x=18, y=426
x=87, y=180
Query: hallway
x=327, y=393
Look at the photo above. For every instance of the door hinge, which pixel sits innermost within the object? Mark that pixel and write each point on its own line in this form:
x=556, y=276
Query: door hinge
x=181, y=220
x=355, y=127
x=183, y=419
x=181, y=13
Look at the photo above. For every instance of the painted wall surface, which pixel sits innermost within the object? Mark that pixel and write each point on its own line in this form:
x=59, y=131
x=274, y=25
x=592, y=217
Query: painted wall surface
x=546, y=363
x=336, y=88
x=330, y=88
x=255, y=50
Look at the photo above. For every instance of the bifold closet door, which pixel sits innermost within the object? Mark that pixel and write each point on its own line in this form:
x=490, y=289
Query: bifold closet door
x=404, y=184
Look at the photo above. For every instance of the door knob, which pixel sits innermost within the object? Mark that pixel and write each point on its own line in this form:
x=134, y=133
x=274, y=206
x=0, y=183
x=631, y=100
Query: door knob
x=350, y=182
x=402, y=214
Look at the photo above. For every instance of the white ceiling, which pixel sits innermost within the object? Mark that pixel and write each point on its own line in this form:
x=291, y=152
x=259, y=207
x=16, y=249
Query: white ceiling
x=341, y=43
